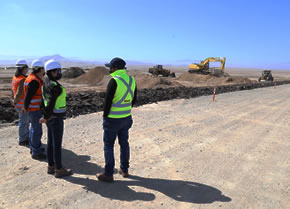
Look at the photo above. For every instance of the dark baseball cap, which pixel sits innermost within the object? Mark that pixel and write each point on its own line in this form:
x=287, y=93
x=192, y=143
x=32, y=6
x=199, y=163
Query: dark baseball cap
x=116, y=63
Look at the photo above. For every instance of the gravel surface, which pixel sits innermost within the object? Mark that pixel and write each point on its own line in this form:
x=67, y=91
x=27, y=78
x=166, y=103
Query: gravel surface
x=185, y=153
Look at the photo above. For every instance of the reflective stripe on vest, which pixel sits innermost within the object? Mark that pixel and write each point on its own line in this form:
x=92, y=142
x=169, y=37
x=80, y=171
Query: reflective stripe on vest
x=59, y=110
x=34, y=106
x=35, y=100
x=120, y=112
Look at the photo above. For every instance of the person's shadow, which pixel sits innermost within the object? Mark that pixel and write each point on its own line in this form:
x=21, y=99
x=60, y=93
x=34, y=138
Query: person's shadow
x=79, y=163
x=183, y=191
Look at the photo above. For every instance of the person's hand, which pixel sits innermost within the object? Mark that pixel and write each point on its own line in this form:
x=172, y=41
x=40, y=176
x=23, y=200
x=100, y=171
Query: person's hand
x=12, y=102
x=24, y=110
x=42, y=120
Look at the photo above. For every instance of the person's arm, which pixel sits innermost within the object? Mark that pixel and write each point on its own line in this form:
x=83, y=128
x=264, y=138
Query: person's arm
x=48, y=110
x=135, y=97
x=111, y=89
x=31, y=91
x=12, y=99
x=19, y=92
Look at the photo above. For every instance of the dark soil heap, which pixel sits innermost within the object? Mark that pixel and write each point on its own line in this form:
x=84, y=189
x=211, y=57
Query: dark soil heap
x=73, y=72
x=92, y=77
x=211, y=79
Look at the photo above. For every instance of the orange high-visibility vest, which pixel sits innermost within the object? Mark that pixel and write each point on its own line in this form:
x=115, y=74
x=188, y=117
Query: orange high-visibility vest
x=15, y=84
x=36, y=99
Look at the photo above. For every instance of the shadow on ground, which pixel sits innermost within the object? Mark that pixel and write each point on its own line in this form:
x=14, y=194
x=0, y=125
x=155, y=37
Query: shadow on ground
x=183, y=191
x=79, y=163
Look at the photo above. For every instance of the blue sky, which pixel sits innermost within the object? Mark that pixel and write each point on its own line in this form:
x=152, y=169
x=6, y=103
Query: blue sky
x=249, y=33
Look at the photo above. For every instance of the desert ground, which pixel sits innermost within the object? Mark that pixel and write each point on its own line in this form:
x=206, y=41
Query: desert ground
x=185, y=153
x=195, y=153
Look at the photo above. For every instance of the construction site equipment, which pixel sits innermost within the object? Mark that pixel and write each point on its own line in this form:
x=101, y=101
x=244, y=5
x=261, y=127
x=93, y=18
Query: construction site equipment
x=266, y=76
x=159, y=70
x=204, y=68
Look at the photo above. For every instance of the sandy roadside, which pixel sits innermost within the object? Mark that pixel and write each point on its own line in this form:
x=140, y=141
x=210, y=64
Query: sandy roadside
x=193, y=153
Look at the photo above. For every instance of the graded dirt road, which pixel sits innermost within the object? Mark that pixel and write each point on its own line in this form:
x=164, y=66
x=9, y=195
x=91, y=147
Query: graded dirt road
x=195, y=153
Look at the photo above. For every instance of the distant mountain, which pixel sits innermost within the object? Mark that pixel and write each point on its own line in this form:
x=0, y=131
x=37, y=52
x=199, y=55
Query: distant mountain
x=55, y=57
x=65, y=62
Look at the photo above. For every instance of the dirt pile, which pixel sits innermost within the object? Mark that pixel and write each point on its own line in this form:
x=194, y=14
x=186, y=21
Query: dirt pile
x=92, y=77
x=239, y=80
x=73, y=72
x=211, y=79
x=196, y=77
x=145, y=81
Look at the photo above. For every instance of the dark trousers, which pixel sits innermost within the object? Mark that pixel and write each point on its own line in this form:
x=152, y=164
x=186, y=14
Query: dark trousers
x=35, y=132
x=113, y=128
x=54, y=141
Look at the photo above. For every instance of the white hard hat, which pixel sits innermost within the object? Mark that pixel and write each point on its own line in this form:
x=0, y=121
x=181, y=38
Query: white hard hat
x=21, y=62
x=51, y=65
x=37, y=63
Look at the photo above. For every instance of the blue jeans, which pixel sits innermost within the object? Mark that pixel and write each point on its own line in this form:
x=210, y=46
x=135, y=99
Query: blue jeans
x=23, y=125
x=54, y=140
x=35, y=132
x=113, y=128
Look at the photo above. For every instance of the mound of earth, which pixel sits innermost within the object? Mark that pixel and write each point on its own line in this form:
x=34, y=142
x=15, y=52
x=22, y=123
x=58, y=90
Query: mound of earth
x=73, y=72
x=239, y=80
x=145, y=81
x=211, y=79
x=92, y=77
x=196, y=77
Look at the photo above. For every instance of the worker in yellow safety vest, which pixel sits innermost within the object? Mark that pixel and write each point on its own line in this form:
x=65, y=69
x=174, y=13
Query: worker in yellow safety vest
x=54, y=111
x=120, y=96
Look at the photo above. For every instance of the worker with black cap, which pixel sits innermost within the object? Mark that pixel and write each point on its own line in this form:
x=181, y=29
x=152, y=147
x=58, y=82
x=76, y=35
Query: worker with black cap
x=117, y=120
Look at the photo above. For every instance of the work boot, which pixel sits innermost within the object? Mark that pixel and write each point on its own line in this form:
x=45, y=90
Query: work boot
x=62, y=172
x=39, y=156
x=41, y=150
x=24, y=143
x=124, y=174
x=51, y=169
x=103, y=177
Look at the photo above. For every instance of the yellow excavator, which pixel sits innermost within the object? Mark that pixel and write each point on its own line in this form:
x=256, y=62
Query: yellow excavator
x=203, y=66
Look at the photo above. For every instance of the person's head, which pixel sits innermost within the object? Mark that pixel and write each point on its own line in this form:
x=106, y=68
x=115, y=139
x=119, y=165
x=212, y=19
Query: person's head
x=53, y=70
x=21, y=67
x=116, y=64
x=37, y=67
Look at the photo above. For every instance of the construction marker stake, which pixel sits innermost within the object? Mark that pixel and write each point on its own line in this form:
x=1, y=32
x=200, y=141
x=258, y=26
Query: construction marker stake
x=213, y=96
